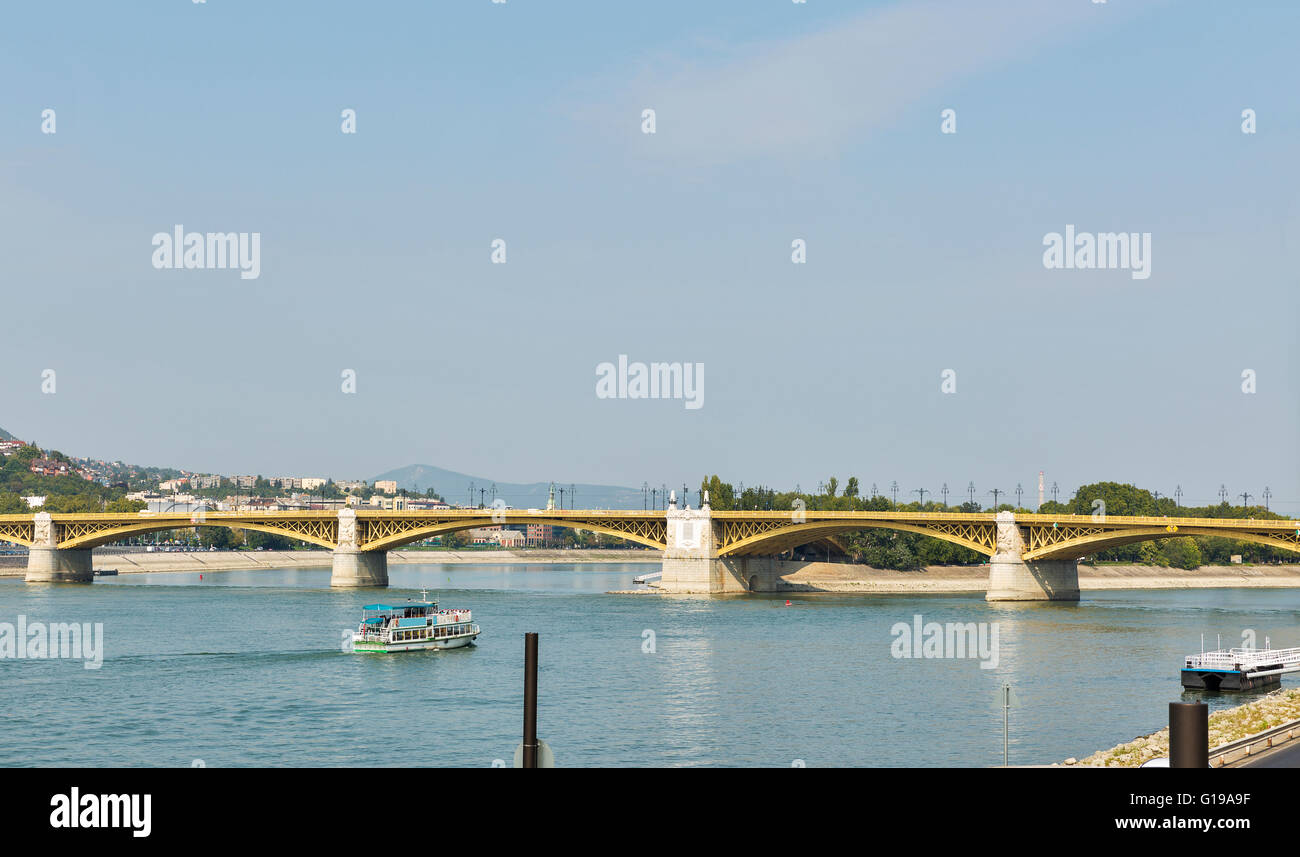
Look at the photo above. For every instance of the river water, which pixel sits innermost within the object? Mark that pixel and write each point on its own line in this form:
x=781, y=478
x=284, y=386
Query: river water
x=247, y=668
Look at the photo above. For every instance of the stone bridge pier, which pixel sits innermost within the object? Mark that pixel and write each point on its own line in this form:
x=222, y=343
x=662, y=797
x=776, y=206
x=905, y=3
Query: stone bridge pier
x=691, y=563
x=354, y=568
x=1014, y=579
x=46, y=563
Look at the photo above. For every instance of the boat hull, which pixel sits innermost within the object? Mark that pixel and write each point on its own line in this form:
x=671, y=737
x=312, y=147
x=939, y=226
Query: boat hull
x=382, y=648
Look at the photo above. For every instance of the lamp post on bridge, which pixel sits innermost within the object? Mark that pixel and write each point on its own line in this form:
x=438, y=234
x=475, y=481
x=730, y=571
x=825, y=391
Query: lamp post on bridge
x=922, y=492
x=1267, y=494
x=1245, y=499
x=970, y=489
x=1178, y=496
x=893, y=489
x=995, y=492
x=945, y=495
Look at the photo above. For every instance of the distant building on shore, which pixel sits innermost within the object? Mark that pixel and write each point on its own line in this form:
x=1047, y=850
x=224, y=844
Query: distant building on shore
x=46, y=467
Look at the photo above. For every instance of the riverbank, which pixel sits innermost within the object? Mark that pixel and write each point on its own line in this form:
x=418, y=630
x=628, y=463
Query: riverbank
x=147, y=563
x=1226, y=726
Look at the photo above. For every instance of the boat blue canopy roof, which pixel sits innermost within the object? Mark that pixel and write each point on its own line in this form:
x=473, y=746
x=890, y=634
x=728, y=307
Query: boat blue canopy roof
x=376, y=607
x=399, y=606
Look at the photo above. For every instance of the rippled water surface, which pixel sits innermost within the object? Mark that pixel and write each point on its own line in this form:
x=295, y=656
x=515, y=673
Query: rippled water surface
x=246, y=668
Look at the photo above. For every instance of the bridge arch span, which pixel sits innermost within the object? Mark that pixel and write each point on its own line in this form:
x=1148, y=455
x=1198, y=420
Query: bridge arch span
x=648, y=536
x=1084, y=545
x=107, y=536
x=978, y=538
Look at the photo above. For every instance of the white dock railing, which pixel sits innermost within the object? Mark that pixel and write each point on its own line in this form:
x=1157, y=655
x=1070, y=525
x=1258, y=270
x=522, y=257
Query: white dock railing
x=1244, y=659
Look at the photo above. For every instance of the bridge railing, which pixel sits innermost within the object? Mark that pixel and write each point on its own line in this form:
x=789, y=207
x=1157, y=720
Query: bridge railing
x=1022, y=518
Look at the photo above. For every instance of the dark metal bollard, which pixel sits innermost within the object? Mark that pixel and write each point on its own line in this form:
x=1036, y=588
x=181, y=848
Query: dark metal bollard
x=1189, y=735
x=530, y=700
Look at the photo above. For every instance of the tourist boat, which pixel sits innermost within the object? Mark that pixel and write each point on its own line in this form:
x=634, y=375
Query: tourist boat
x=413, y=626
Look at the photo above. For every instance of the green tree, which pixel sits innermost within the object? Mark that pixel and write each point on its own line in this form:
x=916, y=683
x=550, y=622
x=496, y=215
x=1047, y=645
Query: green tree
x=26, y=454
x=1119, y=499
x=722, y=495
x=1181, y=553
x=221, y=538
x=267, y=541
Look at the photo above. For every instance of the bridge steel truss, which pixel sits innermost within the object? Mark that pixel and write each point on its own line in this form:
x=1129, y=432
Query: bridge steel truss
x=386, y=530
x=737, y=533
x=19, y=529
x=768, y=533
x=78, y=530
x=1044, y=536
x=1074, y=536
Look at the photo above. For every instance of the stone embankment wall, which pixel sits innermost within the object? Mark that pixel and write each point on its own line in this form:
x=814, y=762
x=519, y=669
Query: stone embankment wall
x=1226, y=726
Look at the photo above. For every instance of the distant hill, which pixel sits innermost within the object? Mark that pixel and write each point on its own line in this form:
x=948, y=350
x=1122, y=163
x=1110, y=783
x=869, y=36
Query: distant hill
x=454, y=488
x=4, y=435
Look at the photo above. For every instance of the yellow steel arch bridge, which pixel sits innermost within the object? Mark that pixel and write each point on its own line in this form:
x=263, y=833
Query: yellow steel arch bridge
x=736, y=533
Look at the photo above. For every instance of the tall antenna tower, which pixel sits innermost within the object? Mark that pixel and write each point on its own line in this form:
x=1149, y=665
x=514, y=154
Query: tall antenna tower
x=1040, y=489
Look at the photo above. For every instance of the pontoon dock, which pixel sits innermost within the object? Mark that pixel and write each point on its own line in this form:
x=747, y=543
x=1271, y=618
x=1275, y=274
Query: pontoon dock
x=1239, y=669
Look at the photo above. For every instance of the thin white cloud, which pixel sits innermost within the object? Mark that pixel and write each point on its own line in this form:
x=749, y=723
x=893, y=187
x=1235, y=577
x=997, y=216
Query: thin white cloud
x=825, y=90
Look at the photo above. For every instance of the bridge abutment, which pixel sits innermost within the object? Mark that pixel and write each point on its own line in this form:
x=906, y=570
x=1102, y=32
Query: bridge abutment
x=1014, y=579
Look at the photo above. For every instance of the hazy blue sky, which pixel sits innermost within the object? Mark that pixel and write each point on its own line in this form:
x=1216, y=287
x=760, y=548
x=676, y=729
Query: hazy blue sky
x=775, y=121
